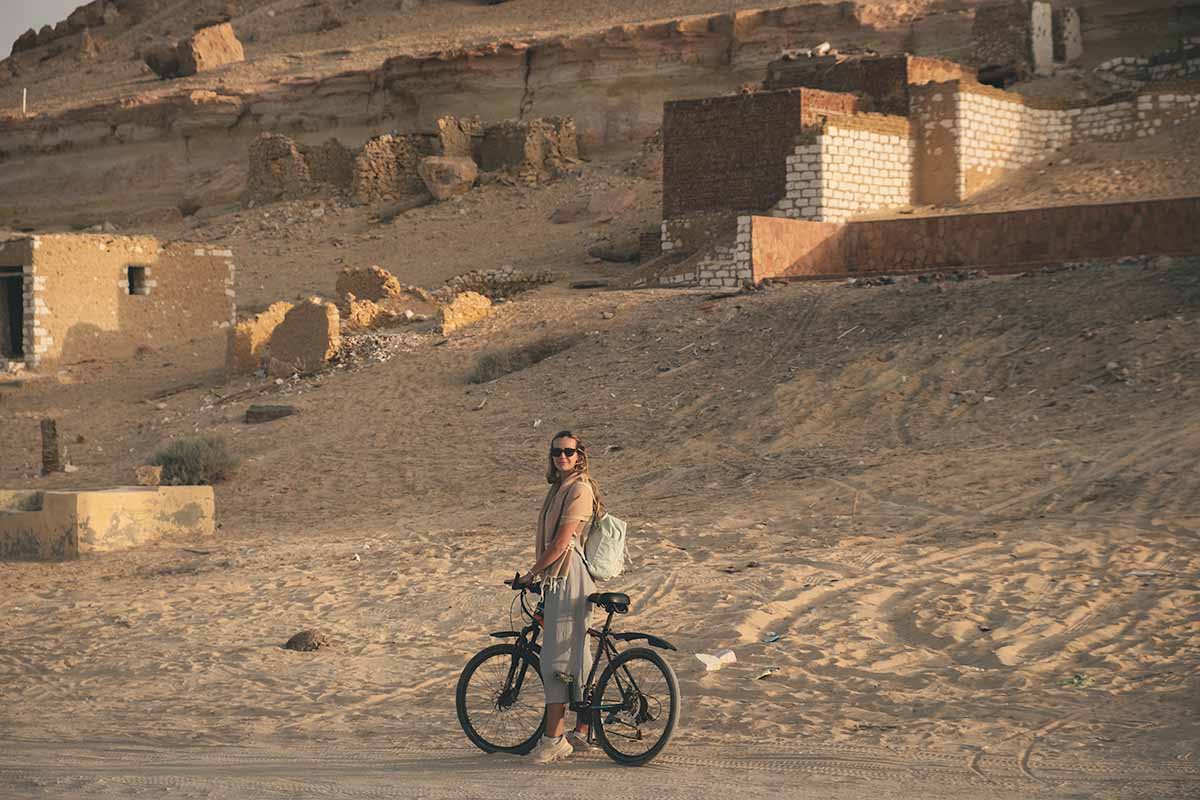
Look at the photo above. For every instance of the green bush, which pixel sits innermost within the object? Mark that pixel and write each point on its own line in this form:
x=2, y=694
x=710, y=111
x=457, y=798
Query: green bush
x=195, y=461
x=494, y=364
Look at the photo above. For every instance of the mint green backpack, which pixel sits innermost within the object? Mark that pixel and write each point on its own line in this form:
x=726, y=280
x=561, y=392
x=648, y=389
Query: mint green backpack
x=604, y=553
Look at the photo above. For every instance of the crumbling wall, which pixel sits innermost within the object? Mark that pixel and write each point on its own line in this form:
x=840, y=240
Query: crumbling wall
x=278, y=169
x=1068, y=35
x=330, y=163
x=1017, y=33
x=459, y=136
x=386, y=167
x=531, y=149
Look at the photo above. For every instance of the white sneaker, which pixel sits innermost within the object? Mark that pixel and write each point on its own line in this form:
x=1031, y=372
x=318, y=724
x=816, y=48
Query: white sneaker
x=548, y=750
x=578, y=741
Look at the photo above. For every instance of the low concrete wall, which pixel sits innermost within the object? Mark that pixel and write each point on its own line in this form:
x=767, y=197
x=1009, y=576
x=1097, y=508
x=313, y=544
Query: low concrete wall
x=999, y=241
x=56, y=526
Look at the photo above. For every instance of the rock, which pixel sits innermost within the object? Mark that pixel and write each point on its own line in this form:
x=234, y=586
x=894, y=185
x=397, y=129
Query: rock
x=148, y=475
x=209, y=49
x=162, y=59
x=367, y=314
x=601, y=205
x=620, y=253
x=307, y=641
x=256, y=414
x=89, y=50
x=26, y=41
x=447, y=176
x=463, y=310
x=307, y=337
x=589, y=284
x=330, y=18
x=247, y=342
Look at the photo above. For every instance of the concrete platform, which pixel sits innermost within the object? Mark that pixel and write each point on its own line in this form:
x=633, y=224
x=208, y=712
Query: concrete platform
x=57, y=526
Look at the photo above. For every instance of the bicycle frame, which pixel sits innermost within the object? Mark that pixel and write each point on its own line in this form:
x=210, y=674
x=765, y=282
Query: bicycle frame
x=527, y=640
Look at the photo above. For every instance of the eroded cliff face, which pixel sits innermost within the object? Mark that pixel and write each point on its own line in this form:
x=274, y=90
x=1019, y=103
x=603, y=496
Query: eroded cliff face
x=144, y=158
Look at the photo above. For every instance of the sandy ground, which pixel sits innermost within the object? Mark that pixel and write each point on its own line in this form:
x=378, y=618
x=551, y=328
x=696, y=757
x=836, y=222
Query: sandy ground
x=970, y=510
x=977, y=540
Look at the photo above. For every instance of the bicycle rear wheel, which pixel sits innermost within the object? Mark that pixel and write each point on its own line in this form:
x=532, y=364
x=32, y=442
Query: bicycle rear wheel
x=639, y=701
x=500, y=700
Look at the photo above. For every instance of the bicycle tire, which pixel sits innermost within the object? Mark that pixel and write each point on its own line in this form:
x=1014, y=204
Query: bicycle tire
x=500, y=734
x=642, y=702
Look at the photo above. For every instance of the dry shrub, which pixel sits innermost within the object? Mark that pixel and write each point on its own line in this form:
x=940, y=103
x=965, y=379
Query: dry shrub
x=195, y=461
x=493, y=364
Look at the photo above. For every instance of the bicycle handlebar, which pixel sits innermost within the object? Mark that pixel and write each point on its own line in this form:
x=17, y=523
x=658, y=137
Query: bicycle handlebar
x=516, y=585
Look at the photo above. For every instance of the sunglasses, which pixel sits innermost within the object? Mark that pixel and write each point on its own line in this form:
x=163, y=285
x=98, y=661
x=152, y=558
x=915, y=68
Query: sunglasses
x=569, y=452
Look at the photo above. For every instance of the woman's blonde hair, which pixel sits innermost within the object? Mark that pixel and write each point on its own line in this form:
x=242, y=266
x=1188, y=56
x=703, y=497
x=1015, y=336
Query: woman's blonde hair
x=581, y=466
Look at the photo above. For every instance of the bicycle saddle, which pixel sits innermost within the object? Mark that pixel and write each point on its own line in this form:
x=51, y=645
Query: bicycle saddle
x=612, y=602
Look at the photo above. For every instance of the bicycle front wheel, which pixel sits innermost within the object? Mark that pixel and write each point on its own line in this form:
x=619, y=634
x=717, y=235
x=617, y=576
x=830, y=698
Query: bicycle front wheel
x=638, y=698
x=500, y=700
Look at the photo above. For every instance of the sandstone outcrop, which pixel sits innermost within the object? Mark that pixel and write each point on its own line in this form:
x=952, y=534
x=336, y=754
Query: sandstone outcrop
x=463, y=310
x=447, y=176
x=248, y=341
x=209, y=49
x=371, y=283
x=308, y=336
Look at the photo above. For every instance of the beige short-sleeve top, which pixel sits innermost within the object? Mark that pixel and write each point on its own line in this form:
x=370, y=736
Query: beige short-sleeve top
x=571, y=500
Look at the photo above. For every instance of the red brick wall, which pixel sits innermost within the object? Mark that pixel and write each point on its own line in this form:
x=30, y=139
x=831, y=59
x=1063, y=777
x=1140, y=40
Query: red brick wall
x=728, y=153
x=1010, y=240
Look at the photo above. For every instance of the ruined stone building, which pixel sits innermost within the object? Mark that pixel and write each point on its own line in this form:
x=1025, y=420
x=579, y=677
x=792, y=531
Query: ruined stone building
x=69, y=297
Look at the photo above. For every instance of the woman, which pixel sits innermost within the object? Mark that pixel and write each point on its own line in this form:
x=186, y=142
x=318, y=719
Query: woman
x=566, y=512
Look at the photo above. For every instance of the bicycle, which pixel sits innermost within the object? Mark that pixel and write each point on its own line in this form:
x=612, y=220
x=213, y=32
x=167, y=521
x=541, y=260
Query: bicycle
x=633, y=708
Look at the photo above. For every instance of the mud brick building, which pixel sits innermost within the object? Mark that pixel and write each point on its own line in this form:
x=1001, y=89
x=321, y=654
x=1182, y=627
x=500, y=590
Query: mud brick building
x=69, y=297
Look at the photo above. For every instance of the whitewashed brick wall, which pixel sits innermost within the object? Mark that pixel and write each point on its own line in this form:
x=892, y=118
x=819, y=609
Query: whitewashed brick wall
x=847, y=172
x=721, y=265
x=996, y=133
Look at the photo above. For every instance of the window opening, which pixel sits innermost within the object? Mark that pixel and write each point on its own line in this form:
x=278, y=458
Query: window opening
x=137, y=281
x=12, y=312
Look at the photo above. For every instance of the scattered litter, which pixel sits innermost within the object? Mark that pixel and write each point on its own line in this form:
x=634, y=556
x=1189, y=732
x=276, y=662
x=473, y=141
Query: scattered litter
x=985, y=628
x=764, y=673
x=356, y=558
x=537, y=423
x=1143, y=573
x=714, y=661
x=771, y=636
x=1078, y=681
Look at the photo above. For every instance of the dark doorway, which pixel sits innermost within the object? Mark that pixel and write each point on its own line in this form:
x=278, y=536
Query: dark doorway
x=12, y=312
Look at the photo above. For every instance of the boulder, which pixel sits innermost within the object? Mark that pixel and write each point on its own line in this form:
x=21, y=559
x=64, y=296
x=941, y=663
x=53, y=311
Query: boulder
x=463, y=310
x=148, y=475
x=256, y=414
x=248, y=341
x=209, y=49
x=617, y=252
x=447, y=176
x=599, y=206
x=307, y=641
x=371, y=283
x=367, y=314
x=308, y=337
